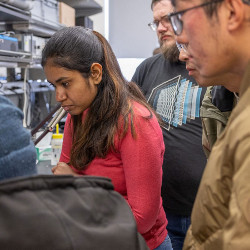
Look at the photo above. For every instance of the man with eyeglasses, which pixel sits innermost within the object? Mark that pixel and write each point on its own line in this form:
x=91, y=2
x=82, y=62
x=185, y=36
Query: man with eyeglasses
x=218, y=46
x=176, y=97
x=216, y=107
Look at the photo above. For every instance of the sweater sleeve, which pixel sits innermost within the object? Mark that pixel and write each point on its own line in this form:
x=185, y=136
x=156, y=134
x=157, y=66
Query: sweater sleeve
x=142, y=159
x=67, y=141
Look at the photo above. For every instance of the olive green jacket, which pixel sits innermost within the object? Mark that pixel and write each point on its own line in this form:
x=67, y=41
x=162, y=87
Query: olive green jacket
x=220, y=218
x=213, y=121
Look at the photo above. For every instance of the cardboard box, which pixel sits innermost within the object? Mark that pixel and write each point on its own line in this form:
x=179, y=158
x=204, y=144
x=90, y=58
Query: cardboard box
x=66, y=14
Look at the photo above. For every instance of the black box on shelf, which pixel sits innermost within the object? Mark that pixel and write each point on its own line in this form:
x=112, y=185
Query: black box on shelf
x=8, y=43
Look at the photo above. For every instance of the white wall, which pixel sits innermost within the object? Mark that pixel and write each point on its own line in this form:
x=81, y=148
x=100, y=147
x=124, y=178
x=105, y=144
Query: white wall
x=99, y=19
x=128, y=32
x=124, y=24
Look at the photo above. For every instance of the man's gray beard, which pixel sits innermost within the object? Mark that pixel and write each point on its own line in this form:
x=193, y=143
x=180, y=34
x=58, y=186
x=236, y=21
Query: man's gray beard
x=171, y=53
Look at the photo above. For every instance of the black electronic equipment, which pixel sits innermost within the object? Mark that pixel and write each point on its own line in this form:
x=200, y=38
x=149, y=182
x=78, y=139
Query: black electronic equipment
x=8, y=43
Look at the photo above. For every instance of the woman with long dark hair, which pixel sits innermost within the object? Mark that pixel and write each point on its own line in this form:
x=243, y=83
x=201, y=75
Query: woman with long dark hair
x=110, y=129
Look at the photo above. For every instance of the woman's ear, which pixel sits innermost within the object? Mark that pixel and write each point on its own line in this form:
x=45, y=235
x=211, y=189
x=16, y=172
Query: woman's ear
x=96, y=73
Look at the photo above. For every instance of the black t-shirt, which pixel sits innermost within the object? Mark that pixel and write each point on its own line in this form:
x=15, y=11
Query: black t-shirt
x=177, y=101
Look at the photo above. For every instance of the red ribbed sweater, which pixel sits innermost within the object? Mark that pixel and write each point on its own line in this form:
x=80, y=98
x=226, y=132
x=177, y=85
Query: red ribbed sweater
x=135, y=170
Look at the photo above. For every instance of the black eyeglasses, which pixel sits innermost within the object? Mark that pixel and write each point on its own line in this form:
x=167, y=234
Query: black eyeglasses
x=181, y=46
x=164, y=21
x=175, y=18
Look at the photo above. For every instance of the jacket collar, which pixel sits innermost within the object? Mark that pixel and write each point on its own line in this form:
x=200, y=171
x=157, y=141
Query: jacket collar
x=245, y=84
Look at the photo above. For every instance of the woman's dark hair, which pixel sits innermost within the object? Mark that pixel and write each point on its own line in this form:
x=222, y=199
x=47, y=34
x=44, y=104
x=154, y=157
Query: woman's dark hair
x=77, y=48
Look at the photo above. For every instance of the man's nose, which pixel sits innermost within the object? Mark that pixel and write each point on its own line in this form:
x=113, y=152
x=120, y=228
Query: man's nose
x=162, y=27
x=183, y=56
x=182, y=38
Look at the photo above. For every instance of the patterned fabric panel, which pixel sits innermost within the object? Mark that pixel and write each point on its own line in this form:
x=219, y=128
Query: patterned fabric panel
x=176, y=101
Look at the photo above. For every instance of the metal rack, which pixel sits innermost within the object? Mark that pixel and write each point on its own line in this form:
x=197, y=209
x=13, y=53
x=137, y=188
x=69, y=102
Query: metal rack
x=10, y=13
x=20, y=21
x=21, y=58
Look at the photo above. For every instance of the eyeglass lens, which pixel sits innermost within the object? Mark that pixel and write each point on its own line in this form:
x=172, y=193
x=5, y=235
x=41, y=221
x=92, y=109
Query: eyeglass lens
x=181, y=46
x=176, y=24
x=164, y=21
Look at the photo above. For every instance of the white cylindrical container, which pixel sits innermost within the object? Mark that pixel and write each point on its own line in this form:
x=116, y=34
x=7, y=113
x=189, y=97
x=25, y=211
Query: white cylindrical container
x=56, y=146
